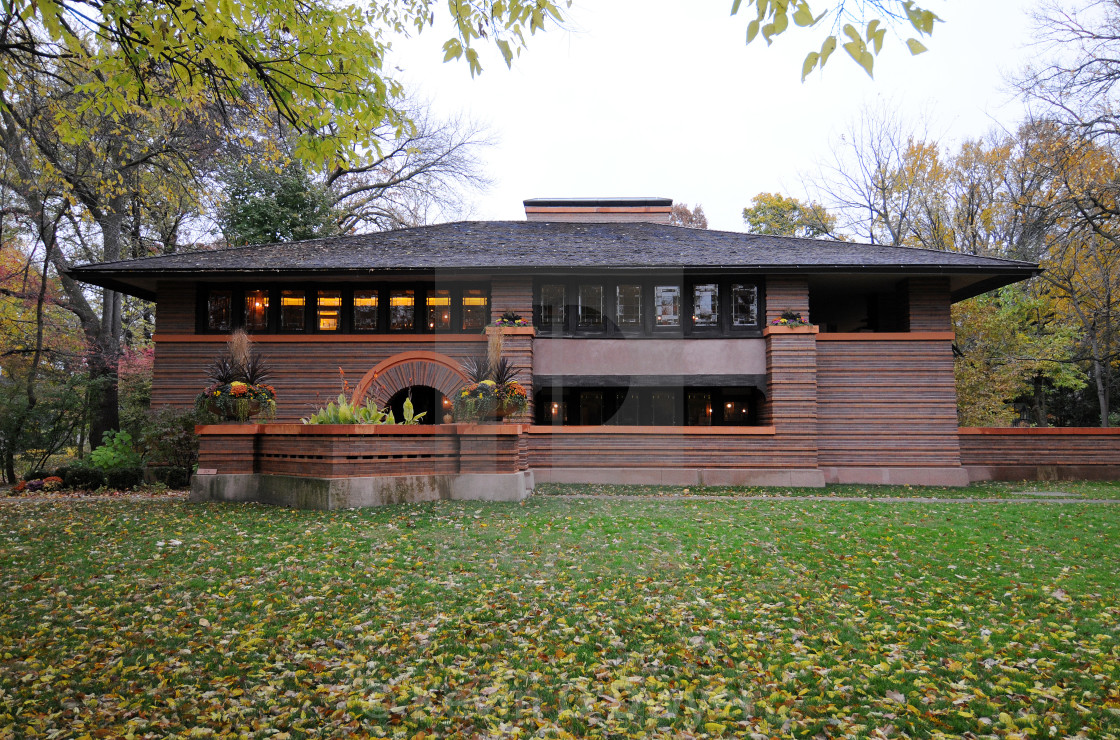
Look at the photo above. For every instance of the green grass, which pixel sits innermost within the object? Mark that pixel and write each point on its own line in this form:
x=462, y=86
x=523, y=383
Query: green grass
x=996, y=490
x=559, y=617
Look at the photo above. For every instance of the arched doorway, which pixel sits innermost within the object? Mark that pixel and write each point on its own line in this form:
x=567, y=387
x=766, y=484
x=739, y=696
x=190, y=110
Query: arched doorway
x=425, y=399
x=410, y=370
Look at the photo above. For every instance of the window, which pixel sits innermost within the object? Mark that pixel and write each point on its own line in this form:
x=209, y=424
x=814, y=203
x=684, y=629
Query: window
x=591, y=408
x=663, y=408
x=439, y=309
x=553, y=303
x=412, y=307
x=648, y=406
x=476, y=309
x=629, y=298
x=256, y=310
x=292, y=304
x=698, y=409
x=590, y=306
x=219, y=310
x=402, y=310
x=328, y=311
x=365, y=310
x=744, y=305
x=705, y=305
x=667, y=305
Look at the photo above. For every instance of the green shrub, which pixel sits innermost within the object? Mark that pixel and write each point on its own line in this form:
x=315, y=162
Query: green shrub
x=81, y=477
x=169, y=439
x=170, y=476
x=115, y=452
x=124, y=478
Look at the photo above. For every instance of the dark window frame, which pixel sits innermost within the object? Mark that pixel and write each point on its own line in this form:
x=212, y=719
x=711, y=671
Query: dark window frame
x=641, y=410
x=648, y=328
x=346, y=316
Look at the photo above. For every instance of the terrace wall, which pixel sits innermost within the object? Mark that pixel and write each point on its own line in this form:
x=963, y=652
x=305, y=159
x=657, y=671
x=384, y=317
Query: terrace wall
x=1040, y=453
x=887, y=409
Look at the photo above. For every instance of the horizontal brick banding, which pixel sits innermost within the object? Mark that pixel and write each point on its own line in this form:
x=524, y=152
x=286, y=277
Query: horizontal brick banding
x=1042, y=446
x=305, y=375
x=665, y=447
x=344, y=451
x=887, y=403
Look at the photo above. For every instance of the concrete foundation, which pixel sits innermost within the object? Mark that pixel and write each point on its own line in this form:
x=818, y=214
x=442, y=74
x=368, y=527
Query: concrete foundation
x=789, y=477
x=897, y=476
x=353, y=493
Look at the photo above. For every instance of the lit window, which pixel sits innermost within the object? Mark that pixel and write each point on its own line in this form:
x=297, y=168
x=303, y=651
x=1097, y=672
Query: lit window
x=365, y=310
x=476, y=309
x=256, y=310
x=705, y=305
x=402, y=310
x=328, y=310
x=439, y=309
x=629, y=306
x=292, y=303
x=744, y=305
x=667, y=305
x=219, y=310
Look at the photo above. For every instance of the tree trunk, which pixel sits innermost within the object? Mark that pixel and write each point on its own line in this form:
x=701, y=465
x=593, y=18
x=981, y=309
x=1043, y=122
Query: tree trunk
x=106, y=349
x=1039, y=406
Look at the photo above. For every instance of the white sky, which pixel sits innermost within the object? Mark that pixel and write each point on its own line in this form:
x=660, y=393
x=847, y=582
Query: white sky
x=663, y=98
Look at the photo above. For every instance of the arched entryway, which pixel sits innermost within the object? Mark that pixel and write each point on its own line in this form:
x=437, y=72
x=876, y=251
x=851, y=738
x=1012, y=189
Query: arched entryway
x=425, y=399
x=400, y=372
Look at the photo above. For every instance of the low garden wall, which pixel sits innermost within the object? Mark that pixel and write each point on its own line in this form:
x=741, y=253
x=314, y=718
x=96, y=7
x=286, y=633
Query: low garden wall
x=1046, y=453
x=343, y=466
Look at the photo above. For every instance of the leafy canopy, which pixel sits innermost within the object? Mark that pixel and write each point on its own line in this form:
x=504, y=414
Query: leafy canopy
x=775, y=214
x=863, y=43
x=319, y=63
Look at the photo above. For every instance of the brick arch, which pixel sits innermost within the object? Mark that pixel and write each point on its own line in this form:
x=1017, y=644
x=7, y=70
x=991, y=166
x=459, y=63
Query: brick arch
x=406, y=369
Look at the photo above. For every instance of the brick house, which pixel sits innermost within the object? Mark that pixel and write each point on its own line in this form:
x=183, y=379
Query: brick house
x=652, y=356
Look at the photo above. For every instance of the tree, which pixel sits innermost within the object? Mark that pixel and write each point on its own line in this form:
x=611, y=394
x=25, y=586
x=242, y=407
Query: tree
x=694, y=218
x=863, y=42
x=319, y=64
x=267, y=203
x=779, y=215
x=1009, y=347
x=1077, y=82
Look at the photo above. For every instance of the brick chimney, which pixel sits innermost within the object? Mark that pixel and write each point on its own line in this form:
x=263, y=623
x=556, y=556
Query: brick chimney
x=599, y=210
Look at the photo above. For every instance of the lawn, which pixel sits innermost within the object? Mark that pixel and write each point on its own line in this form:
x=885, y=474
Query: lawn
x=560, y=617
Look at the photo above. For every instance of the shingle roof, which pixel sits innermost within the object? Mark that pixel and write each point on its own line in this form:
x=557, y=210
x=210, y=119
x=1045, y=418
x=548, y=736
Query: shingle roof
x=493, y=246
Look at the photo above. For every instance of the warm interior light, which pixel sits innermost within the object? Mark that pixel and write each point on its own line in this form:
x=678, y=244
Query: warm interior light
x=402, y=300
x=370, y=302
x=291, y=301
x=329, y=301
x=472, y=301
x=439, y=300
x=555, y=409
x=729, y=405
x=446, y=403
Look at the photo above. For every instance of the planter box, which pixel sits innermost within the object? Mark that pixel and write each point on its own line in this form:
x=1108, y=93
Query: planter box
x=340, y=466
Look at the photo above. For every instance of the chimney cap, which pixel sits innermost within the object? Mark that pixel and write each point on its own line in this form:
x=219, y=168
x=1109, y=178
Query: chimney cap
x=597, y=202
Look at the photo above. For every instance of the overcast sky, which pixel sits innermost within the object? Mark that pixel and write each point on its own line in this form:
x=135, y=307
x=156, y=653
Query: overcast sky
x=663, y=98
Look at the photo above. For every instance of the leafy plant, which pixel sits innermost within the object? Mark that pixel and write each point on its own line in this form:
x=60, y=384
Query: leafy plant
x=124, y=478
x=345, y=412
x=408, y=411
x=503, y=372
x=170, y=445
x=116, y=452
x=81, y=477
x=239, y=386
x=477, y=369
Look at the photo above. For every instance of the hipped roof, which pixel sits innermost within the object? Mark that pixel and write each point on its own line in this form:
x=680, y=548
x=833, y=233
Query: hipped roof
x=526, y=247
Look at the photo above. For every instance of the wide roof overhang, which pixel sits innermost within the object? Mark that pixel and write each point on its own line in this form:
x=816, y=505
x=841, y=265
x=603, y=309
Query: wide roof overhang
x=488, y=249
